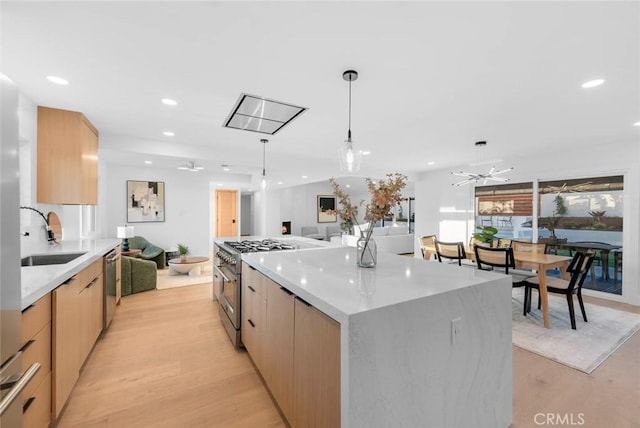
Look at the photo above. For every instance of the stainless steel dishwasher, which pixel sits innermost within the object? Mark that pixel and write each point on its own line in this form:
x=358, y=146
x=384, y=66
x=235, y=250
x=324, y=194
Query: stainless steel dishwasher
x=110, y=263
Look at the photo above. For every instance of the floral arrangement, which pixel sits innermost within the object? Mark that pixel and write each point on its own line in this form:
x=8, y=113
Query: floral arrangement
x=384, y=195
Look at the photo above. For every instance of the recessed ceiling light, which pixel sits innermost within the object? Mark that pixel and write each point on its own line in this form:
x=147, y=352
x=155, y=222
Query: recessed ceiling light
x=348, y=185
x=226, y=168
x=305, y=176
x=57, y=80
x=219, y=184
x=169, y=133
x=169, y=101
x=148, y=162
x=593, y=83
x=431, y=163
x=636, y=124
x=366, y=152
x=280, y=182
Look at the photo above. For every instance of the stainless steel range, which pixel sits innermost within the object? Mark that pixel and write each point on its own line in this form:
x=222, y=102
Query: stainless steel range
x=228, y=268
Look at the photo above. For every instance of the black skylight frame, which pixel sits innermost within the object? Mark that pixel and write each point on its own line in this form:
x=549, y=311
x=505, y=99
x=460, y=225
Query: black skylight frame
x=272, y=118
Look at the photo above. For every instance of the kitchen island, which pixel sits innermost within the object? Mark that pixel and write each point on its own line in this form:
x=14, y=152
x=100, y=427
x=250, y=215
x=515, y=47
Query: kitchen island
x=420, y=343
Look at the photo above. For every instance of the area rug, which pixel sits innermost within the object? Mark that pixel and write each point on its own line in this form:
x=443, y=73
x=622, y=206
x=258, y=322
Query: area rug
x=583, y=349
x=165, y=280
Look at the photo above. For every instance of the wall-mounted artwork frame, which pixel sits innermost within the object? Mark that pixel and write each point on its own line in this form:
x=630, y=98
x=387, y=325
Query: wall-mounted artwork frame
x=145, y=201
x=327, y=209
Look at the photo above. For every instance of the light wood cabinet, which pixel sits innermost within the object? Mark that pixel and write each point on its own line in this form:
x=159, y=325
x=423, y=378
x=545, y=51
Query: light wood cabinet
x=67, y=170
x=254, y=308
x=295, y=347
x=279, y=350
x=77, y=323
x=36, y=336
x=316, y=368
x=66, y=342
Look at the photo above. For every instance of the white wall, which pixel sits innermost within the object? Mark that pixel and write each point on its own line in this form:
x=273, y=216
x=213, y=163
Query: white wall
x=447, y=211
x=189, y=212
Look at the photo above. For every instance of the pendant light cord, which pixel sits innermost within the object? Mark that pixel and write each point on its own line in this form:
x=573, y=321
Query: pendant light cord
x=264, y=148
x=349, y=132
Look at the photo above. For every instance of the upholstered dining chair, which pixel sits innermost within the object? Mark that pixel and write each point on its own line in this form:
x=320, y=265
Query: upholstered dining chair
x=578, y=269
x=453, y=251
x=501, y=260
x=427, y=245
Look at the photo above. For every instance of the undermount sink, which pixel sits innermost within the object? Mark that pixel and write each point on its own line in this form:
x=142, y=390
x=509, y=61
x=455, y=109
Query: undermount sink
x=49, y=259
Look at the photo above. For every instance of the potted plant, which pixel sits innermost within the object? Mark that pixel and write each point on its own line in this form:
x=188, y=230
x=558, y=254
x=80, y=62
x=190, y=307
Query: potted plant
x=183, y=250
x=485, y=235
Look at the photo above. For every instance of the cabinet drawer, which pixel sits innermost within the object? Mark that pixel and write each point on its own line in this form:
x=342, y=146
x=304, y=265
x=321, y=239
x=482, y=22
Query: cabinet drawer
x=35, y=317
x=37, y=350
x=37, y=407
x=254, y=279
x=89, y=273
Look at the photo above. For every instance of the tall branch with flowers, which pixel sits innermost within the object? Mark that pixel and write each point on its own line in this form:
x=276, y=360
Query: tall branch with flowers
x=385, y=195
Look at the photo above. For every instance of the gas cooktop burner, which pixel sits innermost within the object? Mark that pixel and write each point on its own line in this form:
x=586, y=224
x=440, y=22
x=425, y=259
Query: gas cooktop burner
x=255, y=246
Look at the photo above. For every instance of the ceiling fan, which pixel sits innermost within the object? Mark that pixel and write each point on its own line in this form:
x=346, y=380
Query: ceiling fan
x=191, y=166
x=476, y=177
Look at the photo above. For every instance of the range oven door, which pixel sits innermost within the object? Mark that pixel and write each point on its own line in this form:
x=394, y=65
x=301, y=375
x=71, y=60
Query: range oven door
x=229, y=302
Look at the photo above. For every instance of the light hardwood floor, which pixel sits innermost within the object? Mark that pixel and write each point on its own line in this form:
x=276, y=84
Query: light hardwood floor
x=167, y=362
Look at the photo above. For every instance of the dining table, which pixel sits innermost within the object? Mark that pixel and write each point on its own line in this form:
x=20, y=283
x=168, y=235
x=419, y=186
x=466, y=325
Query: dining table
x=541, y=263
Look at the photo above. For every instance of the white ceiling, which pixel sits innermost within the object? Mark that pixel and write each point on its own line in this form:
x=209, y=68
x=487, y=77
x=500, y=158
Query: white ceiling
x=434, y=78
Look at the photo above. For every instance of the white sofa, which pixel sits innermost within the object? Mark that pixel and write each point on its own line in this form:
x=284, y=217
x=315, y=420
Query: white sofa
x=390, y=239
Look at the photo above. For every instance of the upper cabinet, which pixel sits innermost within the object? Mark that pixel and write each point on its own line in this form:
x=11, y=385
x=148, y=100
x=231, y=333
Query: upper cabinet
x=67, y=158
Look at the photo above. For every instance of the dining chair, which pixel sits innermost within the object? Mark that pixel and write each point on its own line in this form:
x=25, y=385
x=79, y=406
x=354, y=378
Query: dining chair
x=577, y=269
x=453, y=251
x=501, y=260
x=427, y=243
x=529, y=247
x=617, y=265
x=503, y=243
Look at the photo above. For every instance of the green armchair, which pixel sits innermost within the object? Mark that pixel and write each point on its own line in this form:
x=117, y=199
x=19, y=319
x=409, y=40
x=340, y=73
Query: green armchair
x=149, y=251
x=137, y=275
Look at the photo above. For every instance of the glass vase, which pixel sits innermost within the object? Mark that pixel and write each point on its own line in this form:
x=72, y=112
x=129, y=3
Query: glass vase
x=367, y=251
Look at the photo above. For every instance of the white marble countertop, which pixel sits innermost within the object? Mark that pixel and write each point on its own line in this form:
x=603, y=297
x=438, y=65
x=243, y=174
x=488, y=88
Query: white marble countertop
x=329, y=279
x=37, y=281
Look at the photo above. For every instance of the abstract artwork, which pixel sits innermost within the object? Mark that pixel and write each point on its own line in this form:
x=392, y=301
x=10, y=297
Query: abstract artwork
x=145, y=201
x=327, y=209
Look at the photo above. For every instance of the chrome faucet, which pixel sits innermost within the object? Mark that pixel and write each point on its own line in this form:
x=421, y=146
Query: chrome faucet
x=50, y=236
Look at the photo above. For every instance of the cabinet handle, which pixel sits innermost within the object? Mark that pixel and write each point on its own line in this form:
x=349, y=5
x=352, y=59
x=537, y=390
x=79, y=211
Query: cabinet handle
x=26, y=345
x=251, y=267
x=27, y=308
x=70, y=280
x=286, y=291
x=251, y=322
x=303, y=301
x=28, y=404
x=91, y=283
x=251, y=288
x=17, y=387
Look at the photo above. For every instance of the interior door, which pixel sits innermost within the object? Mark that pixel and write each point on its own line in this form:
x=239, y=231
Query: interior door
x=226, y=213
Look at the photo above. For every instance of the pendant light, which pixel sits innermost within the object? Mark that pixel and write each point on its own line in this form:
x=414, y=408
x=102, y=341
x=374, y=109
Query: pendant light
x=264, y=184
x=349, y=158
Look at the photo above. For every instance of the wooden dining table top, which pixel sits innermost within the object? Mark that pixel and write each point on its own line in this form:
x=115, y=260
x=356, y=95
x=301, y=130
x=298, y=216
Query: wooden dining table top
x=539, y=262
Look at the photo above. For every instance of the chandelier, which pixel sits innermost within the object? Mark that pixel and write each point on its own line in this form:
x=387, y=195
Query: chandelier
x=477, y=177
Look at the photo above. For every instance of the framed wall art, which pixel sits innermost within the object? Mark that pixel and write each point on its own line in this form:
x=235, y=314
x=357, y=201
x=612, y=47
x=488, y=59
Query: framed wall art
x=145, y=201
x=327, y=209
